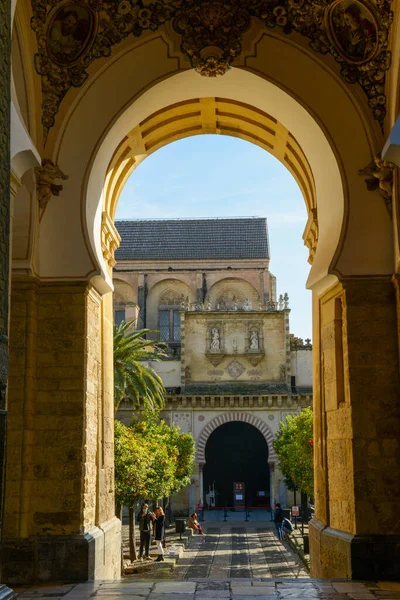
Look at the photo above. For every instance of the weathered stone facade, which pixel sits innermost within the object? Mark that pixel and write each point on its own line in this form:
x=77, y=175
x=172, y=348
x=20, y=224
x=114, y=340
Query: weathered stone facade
x=233, y=355
x=59, y=506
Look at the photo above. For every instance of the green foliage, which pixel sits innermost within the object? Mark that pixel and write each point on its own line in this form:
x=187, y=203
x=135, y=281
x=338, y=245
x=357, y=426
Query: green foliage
x=152, y=460
x=294, y=447
x=131, y=378
x=132, y=461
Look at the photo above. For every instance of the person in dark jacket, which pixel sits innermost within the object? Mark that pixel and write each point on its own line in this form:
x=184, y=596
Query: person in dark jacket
x=159, y=532
x=278, y=518
x=145, y=519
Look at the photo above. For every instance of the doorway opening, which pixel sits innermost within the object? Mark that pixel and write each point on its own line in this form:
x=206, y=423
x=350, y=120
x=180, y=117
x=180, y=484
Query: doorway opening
x=237, y=452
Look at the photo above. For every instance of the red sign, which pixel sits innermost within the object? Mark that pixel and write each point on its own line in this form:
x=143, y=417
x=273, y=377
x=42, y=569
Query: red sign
x=295, y=511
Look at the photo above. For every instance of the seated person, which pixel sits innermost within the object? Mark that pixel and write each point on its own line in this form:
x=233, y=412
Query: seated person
x=194, y=524
x=287, y=528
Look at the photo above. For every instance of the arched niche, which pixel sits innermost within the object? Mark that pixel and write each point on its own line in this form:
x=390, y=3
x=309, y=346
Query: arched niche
x=228, y=288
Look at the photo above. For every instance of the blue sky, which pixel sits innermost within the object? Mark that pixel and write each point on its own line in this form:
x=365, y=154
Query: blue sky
x=219, y=176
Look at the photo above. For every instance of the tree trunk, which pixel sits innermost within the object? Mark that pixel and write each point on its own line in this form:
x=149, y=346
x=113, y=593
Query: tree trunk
x=118, y=511
x=132, y=536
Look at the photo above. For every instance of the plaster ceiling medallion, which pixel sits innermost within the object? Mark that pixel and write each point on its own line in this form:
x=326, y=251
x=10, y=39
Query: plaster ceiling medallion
x=235, y=369
x=71, y=34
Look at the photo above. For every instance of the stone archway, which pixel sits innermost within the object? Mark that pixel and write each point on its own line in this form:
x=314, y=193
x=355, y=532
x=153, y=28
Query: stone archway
x=62, y=303
x=227, y=418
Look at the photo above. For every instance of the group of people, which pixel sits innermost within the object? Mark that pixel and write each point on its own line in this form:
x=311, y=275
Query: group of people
x=282, y=524
x=154, y=523
x=151, y=522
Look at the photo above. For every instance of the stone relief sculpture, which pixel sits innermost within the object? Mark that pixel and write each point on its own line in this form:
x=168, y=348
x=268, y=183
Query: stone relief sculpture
x=247, y=305
x=254, y=342
x=283, y=371
x=45, y=186
x=73, y=36
x=379, y=176
x=215, y=339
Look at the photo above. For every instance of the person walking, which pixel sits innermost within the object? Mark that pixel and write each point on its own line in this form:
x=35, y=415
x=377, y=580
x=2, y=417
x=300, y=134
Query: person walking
x=145, y=519
x=159, y=532
x=278, y=518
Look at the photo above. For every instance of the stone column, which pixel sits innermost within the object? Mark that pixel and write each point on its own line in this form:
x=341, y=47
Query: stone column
x=272, y=484
x=356, y=532
x=5, y=69
x=59, y=510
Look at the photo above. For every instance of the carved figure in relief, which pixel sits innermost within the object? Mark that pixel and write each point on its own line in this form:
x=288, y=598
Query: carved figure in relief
x=254, y=343
x=45, y=176
x=283, y=371
x=247, y=305
x=215, y=339
x=380, y=177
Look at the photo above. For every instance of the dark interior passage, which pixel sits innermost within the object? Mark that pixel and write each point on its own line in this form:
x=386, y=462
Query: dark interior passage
x=237, y=452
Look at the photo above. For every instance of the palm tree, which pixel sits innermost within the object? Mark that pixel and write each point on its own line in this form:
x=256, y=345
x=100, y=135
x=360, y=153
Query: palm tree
x=132, y=379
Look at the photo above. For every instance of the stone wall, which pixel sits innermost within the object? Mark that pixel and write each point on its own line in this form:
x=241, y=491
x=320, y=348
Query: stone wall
x=357, y=418
x=235, y=327
x=59, y=503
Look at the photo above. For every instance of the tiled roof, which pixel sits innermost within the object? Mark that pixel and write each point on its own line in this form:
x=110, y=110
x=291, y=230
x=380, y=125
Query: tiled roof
x=193, y=239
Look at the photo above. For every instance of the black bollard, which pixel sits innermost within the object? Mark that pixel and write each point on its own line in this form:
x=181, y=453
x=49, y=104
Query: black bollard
x=225, y=514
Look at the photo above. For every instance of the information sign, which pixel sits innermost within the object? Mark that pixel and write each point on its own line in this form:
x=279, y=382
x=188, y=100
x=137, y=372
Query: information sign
x=295, y=511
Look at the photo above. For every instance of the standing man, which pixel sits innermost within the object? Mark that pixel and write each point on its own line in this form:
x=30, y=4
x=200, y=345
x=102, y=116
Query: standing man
x=278, y=518
x=145, y=520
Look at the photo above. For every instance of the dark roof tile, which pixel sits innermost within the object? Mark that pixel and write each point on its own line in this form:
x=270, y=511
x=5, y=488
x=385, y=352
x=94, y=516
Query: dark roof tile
x=193, y=239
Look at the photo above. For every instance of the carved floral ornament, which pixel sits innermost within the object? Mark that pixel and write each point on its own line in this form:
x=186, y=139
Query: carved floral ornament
x=71, y=34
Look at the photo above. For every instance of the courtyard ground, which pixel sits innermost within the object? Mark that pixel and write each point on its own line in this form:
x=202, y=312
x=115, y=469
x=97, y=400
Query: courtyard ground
x=235, y=560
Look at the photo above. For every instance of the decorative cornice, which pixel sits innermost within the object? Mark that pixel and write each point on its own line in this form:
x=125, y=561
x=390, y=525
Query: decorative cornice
x=71, y=34
x=110, y=239
x=216, y=402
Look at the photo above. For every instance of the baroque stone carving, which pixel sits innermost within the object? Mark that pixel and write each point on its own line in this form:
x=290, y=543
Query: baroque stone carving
x=72, y=35
x=45, y=186
x=235, y=369
x=379, y=176
x=211, y=33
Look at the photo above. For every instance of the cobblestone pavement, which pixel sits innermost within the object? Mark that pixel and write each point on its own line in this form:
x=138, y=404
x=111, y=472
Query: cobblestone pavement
x=228, y=552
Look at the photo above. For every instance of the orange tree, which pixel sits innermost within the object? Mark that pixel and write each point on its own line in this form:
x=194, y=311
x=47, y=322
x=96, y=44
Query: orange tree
x=152, y=461
x=294, y=447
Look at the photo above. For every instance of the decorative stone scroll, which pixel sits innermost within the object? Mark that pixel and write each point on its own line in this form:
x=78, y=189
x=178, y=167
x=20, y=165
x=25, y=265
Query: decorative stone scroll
x=71, y=34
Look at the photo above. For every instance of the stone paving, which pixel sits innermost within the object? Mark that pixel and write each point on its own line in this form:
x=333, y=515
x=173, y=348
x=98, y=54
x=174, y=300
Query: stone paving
x=217, y=589
x=231, y=562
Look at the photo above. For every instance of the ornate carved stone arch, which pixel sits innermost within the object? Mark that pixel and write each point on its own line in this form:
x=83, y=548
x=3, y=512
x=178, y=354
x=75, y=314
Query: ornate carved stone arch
x=228, y=418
